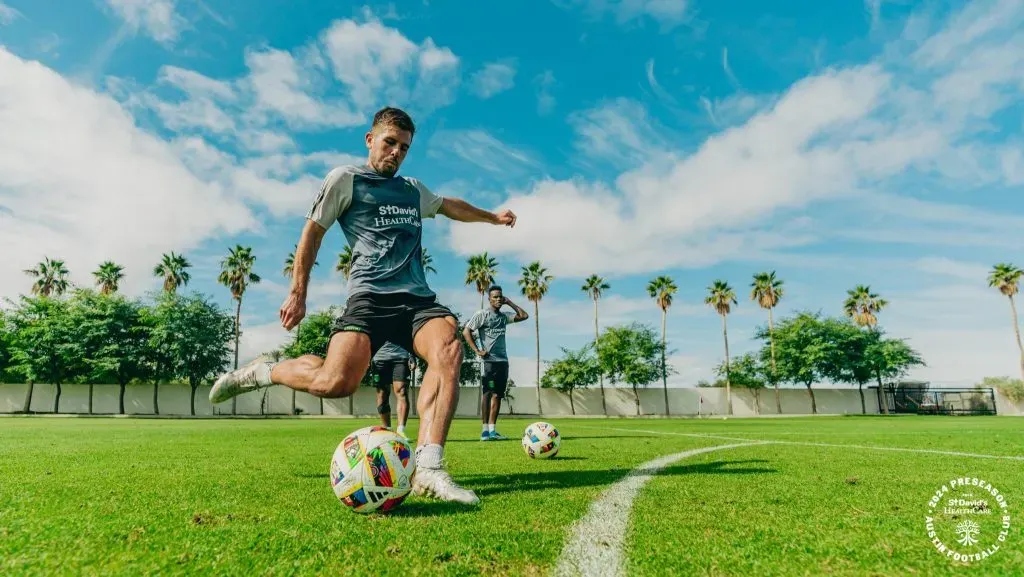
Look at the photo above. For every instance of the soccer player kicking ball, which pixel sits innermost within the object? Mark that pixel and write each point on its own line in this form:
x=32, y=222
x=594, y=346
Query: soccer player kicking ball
x=489, y=324
x=380, y=214
x=391, y=371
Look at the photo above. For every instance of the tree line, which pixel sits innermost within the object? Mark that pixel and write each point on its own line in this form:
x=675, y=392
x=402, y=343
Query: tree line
x=861, y=308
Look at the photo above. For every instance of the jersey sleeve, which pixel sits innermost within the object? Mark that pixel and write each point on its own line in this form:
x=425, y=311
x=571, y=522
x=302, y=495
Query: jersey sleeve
x=509, y=315
x=475, y=321
x=334, y=198
x=430, y=203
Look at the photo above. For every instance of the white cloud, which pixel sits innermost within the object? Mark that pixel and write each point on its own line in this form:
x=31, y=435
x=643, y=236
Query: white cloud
x=874, y=10
x=545, y=82
x=257, y=339
x=157, y=17
x=942, y=266
x=652, y=80
x=619, y=132
x=831, y=136
x=284, y=183
x=284, y=88
x=337, y=80
x=374, y=61
x=79, y=181
x=493, y=78
x=962, y=330
x=7, y=14
x=478, y=147
x=668, y=13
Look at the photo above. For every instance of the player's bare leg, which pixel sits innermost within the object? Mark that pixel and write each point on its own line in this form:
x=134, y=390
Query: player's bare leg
x=383, y=407
x=338, y=375
x=494, y=410
x=485, y=415
x=402, y=395
x=438, y=345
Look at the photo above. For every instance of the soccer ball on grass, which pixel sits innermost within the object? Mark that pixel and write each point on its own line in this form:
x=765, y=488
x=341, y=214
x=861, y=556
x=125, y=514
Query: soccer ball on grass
x=371, y=470
x=541, y=440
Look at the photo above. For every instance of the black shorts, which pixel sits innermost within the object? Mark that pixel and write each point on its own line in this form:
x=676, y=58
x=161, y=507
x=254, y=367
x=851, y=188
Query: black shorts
x=387, y=372
x=496, y=378
x=388, y=317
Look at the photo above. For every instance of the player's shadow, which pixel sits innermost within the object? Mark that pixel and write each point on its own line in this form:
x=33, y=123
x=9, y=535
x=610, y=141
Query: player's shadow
x=546, y=480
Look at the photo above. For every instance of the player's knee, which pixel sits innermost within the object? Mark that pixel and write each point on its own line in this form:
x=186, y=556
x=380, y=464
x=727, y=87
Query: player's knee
x=448, y=355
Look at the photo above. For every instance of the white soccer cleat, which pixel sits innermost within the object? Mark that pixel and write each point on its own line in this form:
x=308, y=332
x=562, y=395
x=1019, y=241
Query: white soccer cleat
x=439, y=484
x=251, y=377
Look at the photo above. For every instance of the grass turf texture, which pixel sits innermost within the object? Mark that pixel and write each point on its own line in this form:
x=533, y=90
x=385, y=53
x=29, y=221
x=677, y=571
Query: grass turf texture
x=138, y=496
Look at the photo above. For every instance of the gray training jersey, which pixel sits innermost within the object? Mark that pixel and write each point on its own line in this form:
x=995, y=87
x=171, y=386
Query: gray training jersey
x=381, y=220
x=489, y=327
x=391, y=352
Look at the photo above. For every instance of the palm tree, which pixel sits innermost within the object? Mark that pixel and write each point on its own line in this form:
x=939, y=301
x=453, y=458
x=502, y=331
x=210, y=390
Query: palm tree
x=427, y=261
x=721, y=297
x=661, y=290
x=1006, y=277
x=108, y=276
x=767, y=291
x=534, y=284
x=344, y=265
x=595, y=286
x=236, y=274
x=51, y=277
x=289, y=263
x=481, y=272
x=173, y=269
x=863, y=306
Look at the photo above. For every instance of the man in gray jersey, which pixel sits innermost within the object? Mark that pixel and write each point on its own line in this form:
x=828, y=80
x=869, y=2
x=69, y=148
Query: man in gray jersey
x=380, y=214
x=489, y=325
x=391, y=370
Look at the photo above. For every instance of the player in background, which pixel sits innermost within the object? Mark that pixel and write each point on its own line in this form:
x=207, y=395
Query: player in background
x=380, y=214
x=391, y=370
x=485, y=334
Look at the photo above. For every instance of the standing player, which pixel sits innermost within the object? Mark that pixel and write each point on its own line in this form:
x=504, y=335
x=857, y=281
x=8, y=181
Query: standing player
x=391, y=371
x=489, y=324
x=380, y=214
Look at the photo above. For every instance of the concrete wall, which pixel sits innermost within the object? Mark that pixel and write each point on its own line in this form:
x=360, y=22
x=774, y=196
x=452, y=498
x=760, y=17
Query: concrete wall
x=175, y=400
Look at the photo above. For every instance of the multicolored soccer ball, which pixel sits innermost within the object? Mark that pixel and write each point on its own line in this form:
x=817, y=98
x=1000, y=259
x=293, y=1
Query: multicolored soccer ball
x=372, y=470
x=541, y=440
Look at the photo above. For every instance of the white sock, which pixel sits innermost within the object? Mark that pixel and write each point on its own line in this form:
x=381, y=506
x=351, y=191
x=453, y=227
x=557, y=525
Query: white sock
x=486, y=428
x=401, y=429
x=490, y=428
x=263, y=371
x=429, y=456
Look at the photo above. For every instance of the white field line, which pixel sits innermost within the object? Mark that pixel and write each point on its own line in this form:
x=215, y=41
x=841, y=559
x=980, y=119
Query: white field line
x=595, y=546
x=811, y=444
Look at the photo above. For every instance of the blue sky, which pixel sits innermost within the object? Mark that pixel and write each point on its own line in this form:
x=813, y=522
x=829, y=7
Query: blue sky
x=837, y=143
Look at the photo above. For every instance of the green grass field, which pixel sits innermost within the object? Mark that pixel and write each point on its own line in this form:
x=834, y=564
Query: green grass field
x=91, y=496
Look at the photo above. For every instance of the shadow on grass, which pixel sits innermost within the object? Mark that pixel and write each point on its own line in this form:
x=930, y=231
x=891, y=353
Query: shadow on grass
x=546, y=480
x=564, y=438
x=616, y=437
x=424, y=507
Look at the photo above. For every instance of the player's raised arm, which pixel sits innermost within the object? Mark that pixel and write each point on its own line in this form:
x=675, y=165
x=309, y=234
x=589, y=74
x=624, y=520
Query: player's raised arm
x=460, y=210
x=521, y=315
